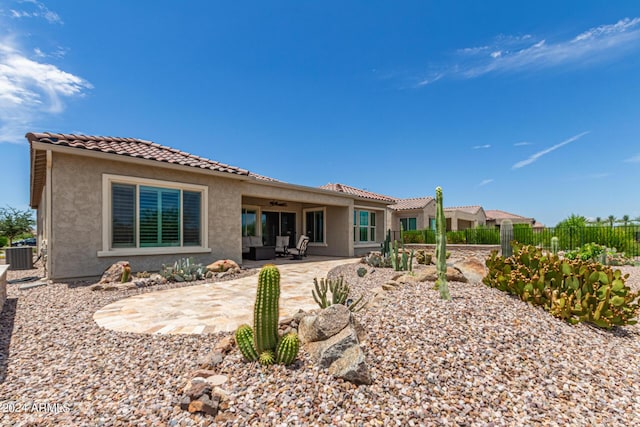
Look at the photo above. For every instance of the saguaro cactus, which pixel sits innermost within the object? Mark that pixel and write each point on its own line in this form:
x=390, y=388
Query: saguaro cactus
x=506, y=237
x=262, y=343
x=441, y=247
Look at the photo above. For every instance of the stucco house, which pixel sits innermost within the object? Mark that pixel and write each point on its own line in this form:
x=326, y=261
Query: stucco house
x=416, y=213
x=463, y=217
x=495, y=218
x=103, y=199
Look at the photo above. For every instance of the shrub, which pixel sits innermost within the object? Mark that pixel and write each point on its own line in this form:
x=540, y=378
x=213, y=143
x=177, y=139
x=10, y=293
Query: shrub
x=573, y=290
x=3, y=241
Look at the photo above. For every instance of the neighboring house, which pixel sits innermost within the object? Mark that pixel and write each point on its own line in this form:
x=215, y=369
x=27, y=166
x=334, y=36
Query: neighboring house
x=495, y=218
x=369, y=220
x=414, y=214
x=464, y=217
x=102, y=199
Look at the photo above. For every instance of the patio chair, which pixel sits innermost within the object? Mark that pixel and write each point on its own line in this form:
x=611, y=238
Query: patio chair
x=301, y=248
x=282, y=245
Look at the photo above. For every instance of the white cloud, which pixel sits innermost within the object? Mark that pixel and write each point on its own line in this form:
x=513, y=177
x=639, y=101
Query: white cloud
x=485, y=182
x=29, y=88
x=521, y=144
x=634, y=159
x=539, y=154
x=524, y=53
x=36, y=10
x=478, y=147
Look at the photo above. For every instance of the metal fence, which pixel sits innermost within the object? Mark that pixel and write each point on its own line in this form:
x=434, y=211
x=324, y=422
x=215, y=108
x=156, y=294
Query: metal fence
x=624, y=238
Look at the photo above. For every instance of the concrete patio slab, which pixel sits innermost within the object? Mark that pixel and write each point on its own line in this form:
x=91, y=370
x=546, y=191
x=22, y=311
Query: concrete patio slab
x=213, y=307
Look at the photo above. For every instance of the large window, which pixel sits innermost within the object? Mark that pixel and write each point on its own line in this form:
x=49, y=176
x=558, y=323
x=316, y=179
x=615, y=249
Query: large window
x=408, y=223
x=364, y=226
x=249, y=222
x=314, y=225
x=147, y=214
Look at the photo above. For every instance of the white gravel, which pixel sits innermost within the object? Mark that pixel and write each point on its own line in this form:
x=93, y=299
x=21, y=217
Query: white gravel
x=484, y=358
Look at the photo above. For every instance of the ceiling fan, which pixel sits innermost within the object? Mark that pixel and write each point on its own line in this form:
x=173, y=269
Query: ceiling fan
x=277, y=203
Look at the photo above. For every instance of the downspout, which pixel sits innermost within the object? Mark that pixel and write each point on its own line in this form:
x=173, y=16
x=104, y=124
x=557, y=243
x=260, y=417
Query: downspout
x=48, y=214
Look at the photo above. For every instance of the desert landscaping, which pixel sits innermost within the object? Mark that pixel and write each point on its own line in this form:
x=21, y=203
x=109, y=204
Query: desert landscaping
x=483, y=357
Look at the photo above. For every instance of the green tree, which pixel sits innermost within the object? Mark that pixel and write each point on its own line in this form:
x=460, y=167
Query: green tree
x=611, y=220
x=625, y=220
x=573, y=221
x=14, y=222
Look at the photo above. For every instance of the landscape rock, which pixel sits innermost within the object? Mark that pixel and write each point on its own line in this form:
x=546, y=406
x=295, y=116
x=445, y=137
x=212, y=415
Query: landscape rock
x=211, y=360
x=472, y=268
x=430, y=274
x=205, y=404
x=328, y=351
x=225, y=345
x=114, y=273
x=223, y=265
x=325, y=324
x=196, y=387
x=352, y=367
x=203, y=373
x=217, y=380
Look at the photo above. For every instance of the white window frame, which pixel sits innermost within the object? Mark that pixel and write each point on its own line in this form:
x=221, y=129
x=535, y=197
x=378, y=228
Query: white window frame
x=108, y=251
x=356, y=227
x=324, y=225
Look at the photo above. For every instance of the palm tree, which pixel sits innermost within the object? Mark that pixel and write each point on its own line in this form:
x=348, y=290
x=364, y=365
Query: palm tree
x=611, y=220
x=625, y=220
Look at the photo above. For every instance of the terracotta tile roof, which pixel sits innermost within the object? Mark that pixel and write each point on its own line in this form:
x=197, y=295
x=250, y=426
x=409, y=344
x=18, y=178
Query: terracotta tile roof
x=346, y=189
x=468, y=209
x=413, y=203
x=138, y=148
x=497, y=214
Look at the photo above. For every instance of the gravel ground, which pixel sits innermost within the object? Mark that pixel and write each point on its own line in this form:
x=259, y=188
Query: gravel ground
x=482, y=359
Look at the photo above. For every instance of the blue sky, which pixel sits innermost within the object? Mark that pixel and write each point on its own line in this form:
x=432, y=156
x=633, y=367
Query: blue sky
x=528, y=107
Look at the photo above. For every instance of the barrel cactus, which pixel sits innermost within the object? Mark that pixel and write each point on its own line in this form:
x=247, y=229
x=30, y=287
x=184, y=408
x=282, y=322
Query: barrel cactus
x=441, y=247
x=263, y=343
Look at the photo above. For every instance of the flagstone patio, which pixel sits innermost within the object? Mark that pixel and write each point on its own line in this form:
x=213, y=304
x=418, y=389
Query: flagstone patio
x=214, y=307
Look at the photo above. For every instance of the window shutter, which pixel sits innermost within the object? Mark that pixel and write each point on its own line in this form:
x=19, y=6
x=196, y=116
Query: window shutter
x=191, y=208
x=123, y=214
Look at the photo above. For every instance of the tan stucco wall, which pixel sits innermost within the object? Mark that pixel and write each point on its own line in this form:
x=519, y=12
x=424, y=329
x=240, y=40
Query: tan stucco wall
x=339, y=239
x=77, y=215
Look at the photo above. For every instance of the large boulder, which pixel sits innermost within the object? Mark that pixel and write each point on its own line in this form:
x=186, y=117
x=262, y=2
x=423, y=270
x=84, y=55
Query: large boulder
x=116, y=273
x=473, y=269
x=325, y=324
x=352, y=367
x=332, y=338
x=328, y=351
x=430, y=274
x=223, y=265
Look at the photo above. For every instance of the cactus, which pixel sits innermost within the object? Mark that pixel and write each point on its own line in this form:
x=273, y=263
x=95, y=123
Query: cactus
x=554, y=245
x=574, y=290
x=385, y=247
x=267, y=358
x=244, y=340
x=506, y=236
x=262, y=343
x=441, y=247
x=126, y=274
x=362, y=271
x=339, y=293
x=288, y=349
x=183, y=270
x=266, y=310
